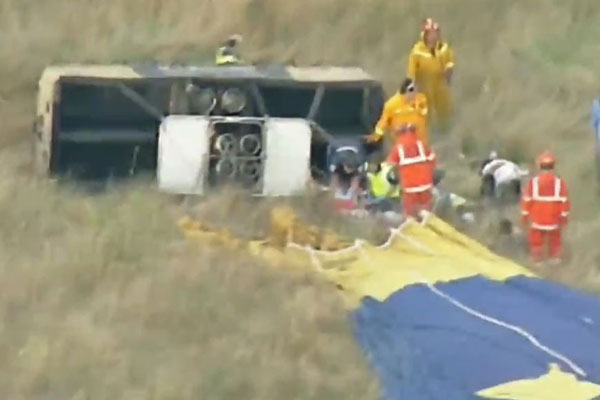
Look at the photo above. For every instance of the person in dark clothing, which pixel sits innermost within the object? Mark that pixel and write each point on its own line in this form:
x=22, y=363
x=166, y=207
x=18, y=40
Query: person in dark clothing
x=346, y=169
x=347, y=180
x=487, y=181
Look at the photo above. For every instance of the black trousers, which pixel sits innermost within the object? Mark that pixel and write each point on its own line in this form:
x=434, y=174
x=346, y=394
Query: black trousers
x=510, y=191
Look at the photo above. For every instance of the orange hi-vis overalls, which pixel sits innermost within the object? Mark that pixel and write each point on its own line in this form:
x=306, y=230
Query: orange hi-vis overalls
x=545, y=208
x=399, y=111
x=416, y=163
x=428, y=70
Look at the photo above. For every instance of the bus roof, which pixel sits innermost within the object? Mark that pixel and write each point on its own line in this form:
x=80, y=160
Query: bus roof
x=325, y=74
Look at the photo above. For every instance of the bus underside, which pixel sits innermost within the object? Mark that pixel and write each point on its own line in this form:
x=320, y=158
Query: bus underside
x=109, y=128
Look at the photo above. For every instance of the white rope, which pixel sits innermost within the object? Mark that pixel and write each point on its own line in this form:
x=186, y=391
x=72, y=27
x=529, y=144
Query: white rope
x=311, y=250
x=416, y=244
x=574, y=367
x=358, y=245
x=532, y=339
x=314, y=259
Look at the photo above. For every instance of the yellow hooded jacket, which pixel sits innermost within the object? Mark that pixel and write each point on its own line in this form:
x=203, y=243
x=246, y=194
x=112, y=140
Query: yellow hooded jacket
x=428, y=70
x=398, y=110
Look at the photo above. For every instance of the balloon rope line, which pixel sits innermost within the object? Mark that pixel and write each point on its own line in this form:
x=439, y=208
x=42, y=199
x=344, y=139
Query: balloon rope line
x=531, y=338
x=514, y=328
x=420, y=246
x=574, y=367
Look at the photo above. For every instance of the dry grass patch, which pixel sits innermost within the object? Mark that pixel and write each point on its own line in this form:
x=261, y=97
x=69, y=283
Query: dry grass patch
x=101, y=298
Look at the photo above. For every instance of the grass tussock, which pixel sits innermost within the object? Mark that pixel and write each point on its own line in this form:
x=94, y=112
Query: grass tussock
x=99, y=298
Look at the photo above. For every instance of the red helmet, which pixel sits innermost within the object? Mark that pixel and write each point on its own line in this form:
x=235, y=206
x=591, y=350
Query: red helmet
x=546, y=160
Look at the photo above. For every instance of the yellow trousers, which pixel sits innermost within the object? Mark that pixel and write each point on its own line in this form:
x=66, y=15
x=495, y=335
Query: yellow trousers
x=439, y=100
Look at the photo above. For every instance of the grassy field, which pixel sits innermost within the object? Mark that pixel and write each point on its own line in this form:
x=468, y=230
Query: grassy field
x=100, y=298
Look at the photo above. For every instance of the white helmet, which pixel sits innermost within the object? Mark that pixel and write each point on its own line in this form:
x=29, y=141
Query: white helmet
x=468, y=217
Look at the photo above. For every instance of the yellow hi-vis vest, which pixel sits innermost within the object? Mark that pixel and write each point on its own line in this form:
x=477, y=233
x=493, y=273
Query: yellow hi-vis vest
x=224, y=56
x=380, y=186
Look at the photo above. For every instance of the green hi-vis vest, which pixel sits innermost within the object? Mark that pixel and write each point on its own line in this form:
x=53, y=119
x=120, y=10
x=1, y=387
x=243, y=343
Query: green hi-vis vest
x=226, y=56
x=380, y=186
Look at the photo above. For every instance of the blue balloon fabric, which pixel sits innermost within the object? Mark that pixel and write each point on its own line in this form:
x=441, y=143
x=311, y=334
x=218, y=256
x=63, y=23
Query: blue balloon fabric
x=452, y=340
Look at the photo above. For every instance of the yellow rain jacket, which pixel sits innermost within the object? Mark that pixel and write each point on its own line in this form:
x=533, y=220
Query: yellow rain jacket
x=428, y=70
x=226, y=56
x=398, y=110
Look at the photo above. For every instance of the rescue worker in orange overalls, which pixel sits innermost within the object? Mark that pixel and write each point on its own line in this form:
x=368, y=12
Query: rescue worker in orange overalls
x=416, y=165
x=407, y=106
x=545, y=207
x=430, y=65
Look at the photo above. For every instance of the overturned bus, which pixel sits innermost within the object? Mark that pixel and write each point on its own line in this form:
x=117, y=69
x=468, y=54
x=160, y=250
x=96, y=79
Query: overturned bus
x=269, y=129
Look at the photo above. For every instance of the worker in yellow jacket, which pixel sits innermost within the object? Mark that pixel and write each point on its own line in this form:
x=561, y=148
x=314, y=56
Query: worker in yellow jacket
x=383, y=189
x=431, y=64
x=406, y=107
x=227, y=53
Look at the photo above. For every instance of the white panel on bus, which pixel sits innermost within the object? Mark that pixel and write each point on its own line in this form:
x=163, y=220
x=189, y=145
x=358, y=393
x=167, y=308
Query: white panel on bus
x=183, y=151
x=287, y=164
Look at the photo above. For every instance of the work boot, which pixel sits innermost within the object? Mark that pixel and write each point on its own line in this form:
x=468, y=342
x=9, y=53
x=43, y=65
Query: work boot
x=555, y=261
x=421, y=216
x=536, y=264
